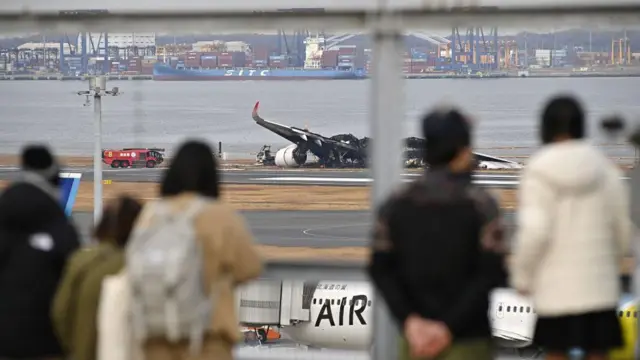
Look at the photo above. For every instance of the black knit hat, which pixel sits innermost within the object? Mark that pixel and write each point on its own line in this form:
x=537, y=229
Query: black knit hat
x=39, y=160
x=446, y=132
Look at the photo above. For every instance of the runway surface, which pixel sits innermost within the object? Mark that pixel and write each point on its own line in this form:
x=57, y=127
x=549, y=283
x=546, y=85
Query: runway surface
x=315, y=229
x=270, y=177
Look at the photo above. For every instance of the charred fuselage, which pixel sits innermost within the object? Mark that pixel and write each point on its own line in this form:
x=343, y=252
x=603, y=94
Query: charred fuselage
x=344, y=150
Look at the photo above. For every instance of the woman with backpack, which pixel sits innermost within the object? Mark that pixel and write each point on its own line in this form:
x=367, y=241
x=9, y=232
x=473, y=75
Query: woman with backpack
x=77, y=298
x=188, y=253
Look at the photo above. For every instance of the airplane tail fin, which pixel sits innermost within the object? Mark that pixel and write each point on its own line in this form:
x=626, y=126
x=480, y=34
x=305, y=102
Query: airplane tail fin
x=69, y=184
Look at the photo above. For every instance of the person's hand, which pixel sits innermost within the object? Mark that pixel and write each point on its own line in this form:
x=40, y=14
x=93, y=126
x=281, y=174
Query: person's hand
x=414, y=332
x=426, y=337
x=438, y=338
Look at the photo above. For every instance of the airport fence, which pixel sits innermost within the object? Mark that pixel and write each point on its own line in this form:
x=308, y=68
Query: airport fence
x=386, y=21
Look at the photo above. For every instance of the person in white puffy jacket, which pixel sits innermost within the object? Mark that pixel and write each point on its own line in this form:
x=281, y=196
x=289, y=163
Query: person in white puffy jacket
x=573, y=229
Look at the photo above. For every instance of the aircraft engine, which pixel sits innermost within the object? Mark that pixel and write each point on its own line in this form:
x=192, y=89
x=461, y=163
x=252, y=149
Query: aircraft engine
x=291, y=156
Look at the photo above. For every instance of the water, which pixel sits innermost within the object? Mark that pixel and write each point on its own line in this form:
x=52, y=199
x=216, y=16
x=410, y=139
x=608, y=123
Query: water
x=163, y=113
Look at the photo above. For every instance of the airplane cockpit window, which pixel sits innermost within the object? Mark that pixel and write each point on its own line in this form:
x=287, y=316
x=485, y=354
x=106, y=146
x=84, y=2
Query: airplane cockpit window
x=521, y=309
x=314, y=301
x=508, y=308
x=528, y=309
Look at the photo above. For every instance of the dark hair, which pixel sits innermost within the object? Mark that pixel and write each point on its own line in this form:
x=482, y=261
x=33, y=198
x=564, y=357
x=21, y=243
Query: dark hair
x=563, y=115
x=117, y=220
x=39, y=160
x=446, y=133
x=193, y=169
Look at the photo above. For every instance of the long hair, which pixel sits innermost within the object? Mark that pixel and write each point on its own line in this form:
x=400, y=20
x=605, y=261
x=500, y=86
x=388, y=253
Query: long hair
x=193, y=169
x=117, y=220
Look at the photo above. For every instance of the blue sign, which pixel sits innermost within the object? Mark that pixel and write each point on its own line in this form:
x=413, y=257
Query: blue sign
x=69, y=183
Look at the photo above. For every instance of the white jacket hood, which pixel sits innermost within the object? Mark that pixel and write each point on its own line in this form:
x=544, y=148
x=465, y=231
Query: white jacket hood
x=571, y=166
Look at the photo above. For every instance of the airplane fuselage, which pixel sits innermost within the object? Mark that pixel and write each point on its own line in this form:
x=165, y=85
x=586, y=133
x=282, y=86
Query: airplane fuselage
x=341, y=315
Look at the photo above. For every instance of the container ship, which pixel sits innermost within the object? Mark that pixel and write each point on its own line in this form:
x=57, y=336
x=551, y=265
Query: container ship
x=164, y=72
x=258, y=65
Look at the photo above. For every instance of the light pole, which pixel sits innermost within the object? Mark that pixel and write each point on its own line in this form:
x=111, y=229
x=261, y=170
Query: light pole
x=97, y=89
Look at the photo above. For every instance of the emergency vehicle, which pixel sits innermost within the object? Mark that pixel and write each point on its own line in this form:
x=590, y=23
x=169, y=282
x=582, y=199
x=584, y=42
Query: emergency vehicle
x=133, y=157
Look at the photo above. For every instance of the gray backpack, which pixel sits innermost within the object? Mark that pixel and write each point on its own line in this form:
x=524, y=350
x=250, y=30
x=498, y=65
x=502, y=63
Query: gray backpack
x=165, y=266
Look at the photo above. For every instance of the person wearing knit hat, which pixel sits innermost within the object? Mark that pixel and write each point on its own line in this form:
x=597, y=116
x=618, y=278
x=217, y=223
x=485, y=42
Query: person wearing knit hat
x=36, y=239
x=39, y=161
x=438, y=249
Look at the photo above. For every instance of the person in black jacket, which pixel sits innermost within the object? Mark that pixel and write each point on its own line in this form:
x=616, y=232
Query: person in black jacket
x=438, y=250
x=36, y=238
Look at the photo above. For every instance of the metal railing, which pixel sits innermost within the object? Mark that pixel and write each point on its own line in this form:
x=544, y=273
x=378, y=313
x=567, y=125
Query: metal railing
x=384, y=21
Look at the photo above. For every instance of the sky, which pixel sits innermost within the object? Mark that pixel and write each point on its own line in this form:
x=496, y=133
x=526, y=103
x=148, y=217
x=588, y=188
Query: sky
x=198, y=5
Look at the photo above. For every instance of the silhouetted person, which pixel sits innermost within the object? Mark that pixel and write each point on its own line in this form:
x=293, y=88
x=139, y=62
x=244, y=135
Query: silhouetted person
x=36, y=239
x=76, y=302
x=227, y=246
x=438, y=250
x=573, y=229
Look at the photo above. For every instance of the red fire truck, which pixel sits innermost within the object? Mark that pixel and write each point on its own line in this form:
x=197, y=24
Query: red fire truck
x=133, y=157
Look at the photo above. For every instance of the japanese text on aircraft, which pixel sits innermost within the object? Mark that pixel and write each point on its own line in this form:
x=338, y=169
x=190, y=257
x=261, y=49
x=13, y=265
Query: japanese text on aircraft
x=243, y=72
x=327, y=314
x=331, y=287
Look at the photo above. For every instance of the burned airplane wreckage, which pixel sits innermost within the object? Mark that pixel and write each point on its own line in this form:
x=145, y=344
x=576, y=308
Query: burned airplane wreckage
x=343, y=150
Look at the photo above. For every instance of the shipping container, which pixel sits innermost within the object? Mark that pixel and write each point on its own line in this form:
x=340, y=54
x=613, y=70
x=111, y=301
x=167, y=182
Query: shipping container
x=209, y=61
x=192, y=62
x=347, y=50
x=330, y=58
x=261, y=53
x=420, y=66
x=239, y=58
x=225, y=60
x=147, y=71
x=248, y=63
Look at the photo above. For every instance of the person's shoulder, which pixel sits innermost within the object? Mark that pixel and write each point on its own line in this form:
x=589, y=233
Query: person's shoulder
x=218, y=208
x=485, y=201
x=84, y=253
x=400, y=195
x=111, y=264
